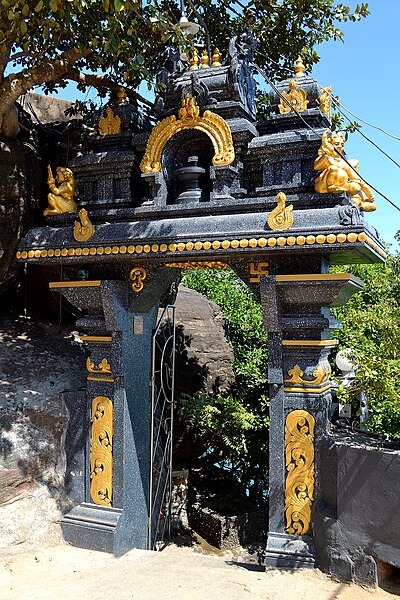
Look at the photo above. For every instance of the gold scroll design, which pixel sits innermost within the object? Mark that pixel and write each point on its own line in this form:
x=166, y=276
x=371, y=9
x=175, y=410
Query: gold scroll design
x=299, y=460
x=83, y=229
x=103, y=368
x=101, y=441
x=325, y=101
x=281, y=217
x=320, y=375
x=256, y=270
x=110, y=124
x=297, y=98
x=138, y=275
x=210, y=123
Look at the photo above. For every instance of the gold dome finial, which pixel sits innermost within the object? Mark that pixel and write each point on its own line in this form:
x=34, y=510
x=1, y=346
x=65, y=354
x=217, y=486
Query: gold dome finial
x=121, y=95
x=216, y=58
x=205, y=60
x=299, y=68
x=194, y=60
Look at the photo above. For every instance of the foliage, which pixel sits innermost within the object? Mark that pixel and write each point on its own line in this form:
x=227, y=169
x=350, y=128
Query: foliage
x=236, y=423
x=371, y=327
x=107, y=43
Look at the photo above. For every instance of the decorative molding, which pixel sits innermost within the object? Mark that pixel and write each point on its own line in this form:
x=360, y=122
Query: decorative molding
x=103, y=366
x=315, y=343
x=138, y=275
x=198, y=265
x=208, y=245
x=101, y=460
x=95, y=338
x=110, y=124
x=321, y=374
x=256, y=270
x=307, y=390
x=316, y=277
x=299, y=461
x=297, y=98
x=83, y=229
x=281, y=217
x=68, y=284
x=214, y=126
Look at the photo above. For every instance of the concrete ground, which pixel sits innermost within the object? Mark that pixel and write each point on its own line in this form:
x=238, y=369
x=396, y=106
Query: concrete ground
x=177, y=573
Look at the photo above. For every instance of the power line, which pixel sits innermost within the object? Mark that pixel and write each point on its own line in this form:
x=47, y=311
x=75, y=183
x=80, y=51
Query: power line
x=268, y=80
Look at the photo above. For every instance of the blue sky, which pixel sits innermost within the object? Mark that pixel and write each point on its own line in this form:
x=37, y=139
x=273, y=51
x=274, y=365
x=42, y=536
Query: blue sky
x=363, y=73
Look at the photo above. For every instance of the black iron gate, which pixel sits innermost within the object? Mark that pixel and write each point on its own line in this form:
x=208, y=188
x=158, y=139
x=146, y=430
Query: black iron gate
x=162, y=418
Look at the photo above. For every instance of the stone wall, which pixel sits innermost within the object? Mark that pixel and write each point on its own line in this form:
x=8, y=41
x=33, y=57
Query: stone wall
x=357, y=522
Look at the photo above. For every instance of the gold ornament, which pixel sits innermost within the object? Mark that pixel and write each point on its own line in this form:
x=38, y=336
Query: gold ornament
x=210, y=123
x=320, y=374
x=103, y=366
x=338, y=175
x=83, y=229
x=121, y=96
x=299, y=460
x=281, y=217
x=61, y=198
x=216, y=59
x=325, y=101
x=299, y=68
x=256, y=270
x=194, y=61
x=198, y=265
x=205, y=60
x=110, y=124
x=101, y=451
x=138, y=275
x=297, y=99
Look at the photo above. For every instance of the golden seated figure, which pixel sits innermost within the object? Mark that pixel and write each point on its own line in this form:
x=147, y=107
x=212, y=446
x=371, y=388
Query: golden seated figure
x=61, y=198
x=338, y=175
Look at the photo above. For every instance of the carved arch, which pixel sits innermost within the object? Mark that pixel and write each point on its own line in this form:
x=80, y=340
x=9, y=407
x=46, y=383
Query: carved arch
x=214, y=126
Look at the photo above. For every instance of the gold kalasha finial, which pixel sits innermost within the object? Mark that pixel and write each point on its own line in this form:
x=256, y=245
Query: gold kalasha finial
x=121, y=95
x=205, y=60
x=194, y=61
x=299, y=68
x=216, y=58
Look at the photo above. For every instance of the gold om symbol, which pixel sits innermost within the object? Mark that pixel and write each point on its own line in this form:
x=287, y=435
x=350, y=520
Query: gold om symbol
x=138, y=275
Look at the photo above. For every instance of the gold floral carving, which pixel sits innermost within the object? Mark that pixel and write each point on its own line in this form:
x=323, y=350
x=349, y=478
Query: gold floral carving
x=299, y=460
x=101, y=451
x=83, y=229
x=210, y=123
x=325, y=101
x=320, y=374
x=339, y=175
x=281, y=217
x=138, y=275
x=103, y=366
x=297, y=98
x=110, y=124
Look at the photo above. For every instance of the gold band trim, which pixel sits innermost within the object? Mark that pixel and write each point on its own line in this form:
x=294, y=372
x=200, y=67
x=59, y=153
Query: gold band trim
x=194, y=247
x=68, y=284
x=109, y=379
x=315, y=343
x=306, y=390
x=95, y=338
x=316, y=277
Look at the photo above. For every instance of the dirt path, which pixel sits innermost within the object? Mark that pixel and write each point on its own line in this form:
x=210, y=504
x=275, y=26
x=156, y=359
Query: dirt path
x=64, y=572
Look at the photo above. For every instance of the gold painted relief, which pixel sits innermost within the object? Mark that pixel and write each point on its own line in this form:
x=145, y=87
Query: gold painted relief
x=281, y=217
x=299, y=461
x=83, y=229
x=110, y=124
x=297, y=98
x=320, y=374
x=325, y=101
x=138, y=275
x=210, y=123
x=256, y=270
x=103, y=366
x=198, y=265
x=101, y=441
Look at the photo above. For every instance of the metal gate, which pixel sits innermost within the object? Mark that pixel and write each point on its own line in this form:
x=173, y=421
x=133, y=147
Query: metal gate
x=162, y=419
